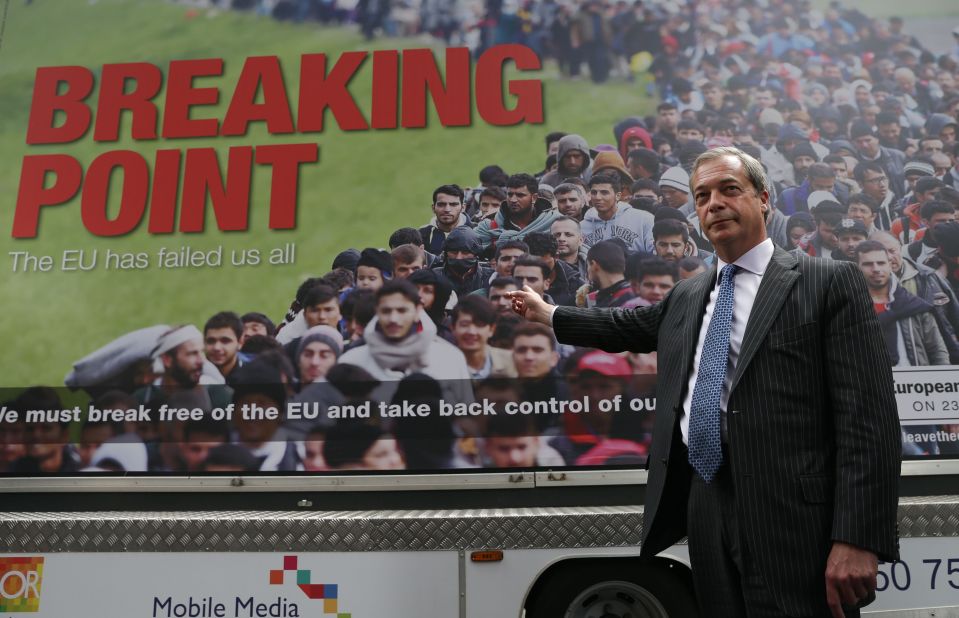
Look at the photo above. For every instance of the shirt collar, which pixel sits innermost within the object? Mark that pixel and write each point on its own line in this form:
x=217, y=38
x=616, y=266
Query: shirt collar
x=755, y=260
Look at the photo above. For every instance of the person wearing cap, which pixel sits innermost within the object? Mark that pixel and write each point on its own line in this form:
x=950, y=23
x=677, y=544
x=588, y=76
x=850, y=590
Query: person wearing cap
x=868, y=149
x=402, y=339
x=472, y=325
x=448, y=214
x=913, y=170
x=573, y=161
x=874, y=180
x=611, y=162
x=374, y=267
x=909, y=326
x=461, y=265
x=849, y=233
x=911, y=222
x=827, y=212
x=776, y=158
x=634, y=138
x=595, y=376
x=799, y=357
x=317, y=351
x=524, y=211
x=674, y=187
x=610, y=217
x=802, y=156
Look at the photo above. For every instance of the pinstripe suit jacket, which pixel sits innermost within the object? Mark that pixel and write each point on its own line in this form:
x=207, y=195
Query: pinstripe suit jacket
x=813, y=431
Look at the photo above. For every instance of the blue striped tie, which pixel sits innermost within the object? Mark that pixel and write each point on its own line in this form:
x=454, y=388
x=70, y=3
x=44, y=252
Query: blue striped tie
x=705, y=446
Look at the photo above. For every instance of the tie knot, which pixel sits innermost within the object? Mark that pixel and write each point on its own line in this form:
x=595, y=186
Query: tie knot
x=729, y=271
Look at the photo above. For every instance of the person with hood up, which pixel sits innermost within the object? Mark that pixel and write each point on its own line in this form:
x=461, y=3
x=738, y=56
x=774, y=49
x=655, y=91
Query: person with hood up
x=401, y=340
x=523, y=212
x=608, y=217
x=461, y=262
x=634, y=138
x=436, y=294
x=819, y=177
x=573, y=160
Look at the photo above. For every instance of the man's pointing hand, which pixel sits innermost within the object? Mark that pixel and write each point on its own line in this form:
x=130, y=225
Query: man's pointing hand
x=531, y=306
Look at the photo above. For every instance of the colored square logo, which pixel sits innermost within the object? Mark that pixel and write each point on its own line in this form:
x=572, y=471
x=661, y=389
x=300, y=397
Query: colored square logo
x=20, y=580
x=276, y=576
x=302, y=577
x=289, y=563
x=329, y=606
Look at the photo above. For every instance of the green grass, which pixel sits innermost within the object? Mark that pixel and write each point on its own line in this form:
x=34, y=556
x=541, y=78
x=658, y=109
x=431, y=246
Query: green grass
x=366, y=185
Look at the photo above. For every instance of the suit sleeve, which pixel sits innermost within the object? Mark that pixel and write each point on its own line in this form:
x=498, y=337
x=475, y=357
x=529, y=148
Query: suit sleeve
x=865, y=418
x=611, y=330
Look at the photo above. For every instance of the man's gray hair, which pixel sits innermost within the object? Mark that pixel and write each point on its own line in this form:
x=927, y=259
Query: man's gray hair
x=754, y=169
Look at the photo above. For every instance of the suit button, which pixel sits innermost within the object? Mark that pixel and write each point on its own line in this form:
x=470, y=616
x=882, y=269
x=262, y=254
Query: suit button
x=663, y=460
x=735, y=411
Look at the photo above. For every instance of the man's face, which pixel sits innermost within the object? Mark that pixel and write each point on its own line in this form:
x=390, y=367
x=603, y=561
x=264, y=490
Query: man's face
x=383, y=455
x=194, y=451
x=940, y=164
x=368, y=278
x=729, y=208
x=315, y=361
x=327, y=313
x=840, y=168
x=402, y=271
x=396, y=315
x=553, y=148
x=894, y=251
x=654, y=287
x=868, y=145
x=670, y=248
x=427, y=294
x=603, y=198
x=861, y=212
x=848, y=244
x=890, y=132
x=636, y=170
x=470, y=335
x=713, y=97
x=875, y=184
x=690, y=135
x=221, y=346
x=765, y=99
x=534, y=356
x=501, y=299
x=512, y=451
x=821, y=184
x=568, y=238
x=488, y=205
x=185, y=363
x=802, y=163
x=573, y=160
x=251, y=329
x=447, y=209
x=940, y=217
x=570, y=204
x=948, y=134
x=633, y=143
x=827, y=235
x=505, y=261
x=672, y=197
x=531, y=276
x=519, y=201
x=667, y=119
x=876, y=268
x=931, y=147
x=927, y=196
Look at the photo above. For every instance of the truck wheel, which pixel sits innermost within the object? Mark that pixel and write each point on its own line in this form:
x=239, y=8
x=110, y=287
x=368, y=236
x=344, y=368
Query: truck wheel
x=621, y=590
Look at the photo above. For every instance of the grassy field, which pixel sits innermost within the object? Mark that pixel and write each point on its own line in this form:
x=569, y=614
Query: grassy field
x=366, y=184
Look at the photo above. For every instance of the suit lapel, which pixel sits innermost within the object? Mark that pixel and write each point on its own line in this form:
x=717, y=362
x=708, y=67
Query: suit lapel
x=777, y=281
x=701, y=286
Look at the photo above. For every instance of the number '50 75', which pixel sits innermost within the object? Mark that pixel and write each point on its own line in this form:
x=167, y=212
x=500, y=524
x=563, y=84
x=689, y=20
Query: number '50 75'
x=898, y=575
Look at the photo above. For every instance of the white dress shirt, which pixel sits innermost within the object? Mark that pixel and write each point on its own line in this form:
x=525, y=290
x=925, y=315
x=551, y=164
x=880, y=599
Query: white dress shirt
x=752, y=265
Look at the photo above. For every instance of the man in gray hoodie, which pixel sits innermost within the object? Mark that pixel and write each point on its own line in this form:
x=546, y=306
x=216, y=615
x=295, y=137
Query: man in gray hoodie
x=572, y=160
x=610, y=218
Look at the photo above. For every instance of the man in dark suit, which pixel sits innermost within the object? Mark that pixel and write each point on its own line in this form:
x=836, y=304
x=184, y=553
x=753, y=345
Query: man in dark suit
x=776, y=446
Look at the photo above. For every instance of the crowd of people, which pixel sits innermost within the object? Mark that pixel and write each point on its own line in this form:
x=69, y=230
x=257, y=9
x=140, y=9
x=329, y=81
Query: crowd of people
x=854, y=121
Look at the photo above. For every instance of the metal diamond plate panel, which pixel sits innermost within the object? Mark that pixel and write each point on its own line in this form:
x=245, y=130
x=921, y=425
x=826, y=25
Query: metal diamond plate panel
x=925, y=517
x=320, y=531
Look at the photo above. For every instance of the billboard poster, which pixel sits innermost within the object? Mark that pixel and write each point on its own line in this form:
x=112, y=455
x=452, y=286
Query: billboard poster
x=277, y=236
x=237, y=585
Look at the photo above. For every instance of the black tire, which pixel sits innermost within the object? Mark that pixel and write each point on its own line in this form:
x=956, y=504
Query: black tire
x=614, y=588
